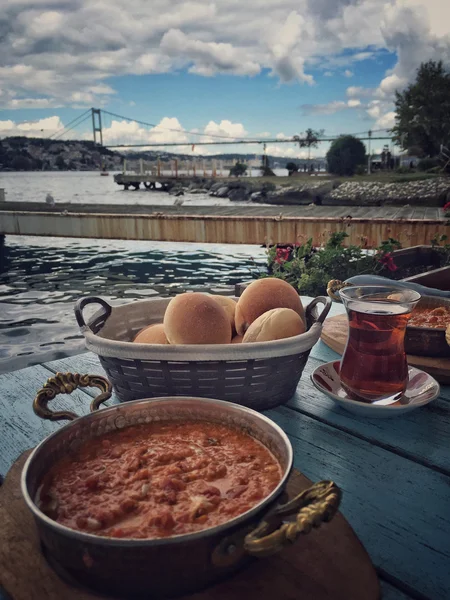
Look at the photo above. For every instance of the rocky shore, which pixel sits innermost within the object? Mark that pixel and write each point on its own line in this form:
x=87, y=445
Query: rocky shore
x=433, y=192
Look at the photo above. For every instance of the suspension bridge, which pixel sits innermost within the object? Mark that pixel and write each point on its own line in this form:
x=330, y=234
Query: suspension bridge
x=250, y=224
x=102, y=120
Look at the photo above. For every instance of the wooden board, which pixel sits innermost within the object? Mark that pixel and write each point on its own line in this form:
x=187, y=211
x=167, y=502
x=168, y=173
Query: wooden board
x=335, y=334
x=329, y=563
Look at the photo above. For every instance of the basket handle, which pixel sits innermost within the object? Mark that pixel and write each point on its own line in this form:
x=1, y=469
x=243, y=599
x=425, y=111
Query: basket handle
x=323, y=314
x=83, y=302
x=66, y=383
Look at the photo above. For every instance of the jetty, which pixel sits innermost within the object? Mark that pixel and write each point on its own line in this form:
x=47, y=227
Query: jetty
x=165, y=175
x=233, y=224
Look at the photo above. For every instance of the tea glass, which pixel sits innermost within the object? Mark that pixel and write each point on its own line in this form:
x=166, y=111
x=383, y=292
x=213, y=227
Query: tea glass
x=374, y=364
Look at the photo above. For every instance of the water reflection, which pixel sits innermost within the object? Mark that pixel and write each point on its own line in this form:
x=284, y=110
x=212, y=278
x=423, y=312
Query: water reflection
x=41, y=279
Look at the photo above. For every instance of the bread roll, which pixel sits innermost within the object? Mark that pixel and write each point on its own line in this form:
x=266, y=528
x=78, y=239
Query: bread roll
x=237, y=339
x=275, y=324
x=228, y=304
x=263, y=295
x=196, y=318
x=153, y=334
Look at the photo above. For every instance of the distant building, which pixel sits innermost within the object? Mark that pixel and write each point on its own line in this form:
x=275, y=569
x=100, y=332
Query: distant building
x=409, y=161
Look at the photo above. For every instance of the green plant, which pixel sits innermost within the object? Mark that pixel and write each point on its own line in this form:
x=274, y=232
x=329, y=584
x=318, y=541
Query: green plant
x=345, y=155
x=309, y=269
x=310, y=139
x=292, y=167
x=402, y=170
x=238, y=169
x=439, y=243
x=425, y=164
x=423, y=110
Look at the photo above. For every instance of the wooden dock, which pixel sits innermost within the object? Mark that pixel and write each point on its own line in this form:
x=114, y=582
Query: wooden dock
x=243, y=224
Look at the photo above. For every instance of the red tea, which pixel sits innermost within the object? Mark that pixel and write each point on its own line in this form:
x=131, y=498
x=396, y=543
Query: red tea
x=374, y=364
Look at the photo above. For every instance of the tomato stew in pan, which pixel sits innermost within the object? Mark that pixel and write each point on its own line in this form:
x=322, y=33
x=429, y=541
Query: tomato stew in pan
x=159, y=479
x=437, y=318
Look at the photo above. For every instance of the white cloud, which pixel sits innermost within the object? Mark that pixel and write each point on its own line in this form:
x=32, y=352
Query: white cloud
x=386, y=121
x=374, y=109
x=64, y=52
x=39, y=128
x=328, y=74
x=324, y=109
x=390, y=84
x=353, y=91
x=168, y=130
x=288, y=152
x=208, y=57
x=330, y=108
x=226, y=129
x=287, y=64
x=348, y=73
x=18, y=103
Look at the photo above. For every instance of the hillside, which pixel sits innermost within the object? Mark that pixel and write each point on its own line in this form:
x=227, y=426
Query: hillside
x=41, y=154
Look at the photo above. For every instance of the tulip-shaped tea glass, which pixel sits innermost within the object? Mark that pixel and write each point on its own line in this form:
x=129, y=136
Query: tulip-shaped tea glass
x=374, y=365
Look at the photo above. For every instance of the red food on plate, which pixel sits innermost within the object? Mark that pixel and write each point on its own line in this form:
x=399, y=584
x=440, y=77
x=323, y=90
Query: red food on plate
x=159, y=479
x=437, y=318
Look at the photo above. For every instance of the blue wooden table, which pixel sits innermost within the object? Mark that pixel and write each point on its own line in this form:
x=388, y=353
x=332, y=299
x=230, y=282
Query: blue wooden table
x=395, y=473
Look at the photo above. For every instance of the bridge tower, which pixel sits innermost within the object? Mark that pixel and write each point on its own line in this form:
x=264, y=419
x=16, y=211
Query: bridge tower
x=97, y=125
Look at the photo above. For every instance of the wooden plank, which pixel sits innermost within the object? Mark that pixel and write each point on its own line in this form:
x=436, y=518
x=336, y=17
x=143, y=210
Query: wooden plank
x=399, y=509
x=366, y=468
x=323, y=352
x=20, y=428
x=421, y=435
x=389, y=592
x=248, y=209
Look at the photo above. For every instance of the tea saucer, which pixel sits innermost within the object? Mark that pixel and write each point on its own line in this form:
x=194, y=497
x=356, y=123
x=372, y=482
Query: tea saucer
x=421, y=389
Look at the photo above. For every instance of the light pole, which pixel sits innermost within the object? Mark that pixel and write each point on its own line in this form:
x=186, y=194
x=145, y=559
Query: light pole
x=369, y=159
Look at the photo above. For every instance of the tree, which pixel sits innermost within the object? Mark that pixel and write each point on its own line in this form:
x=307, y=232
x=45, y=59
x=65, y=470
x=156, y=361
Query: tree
x=423, y=110
x=37, y=164
x=292, y=167
x=60, y=163
x=21, y=163
x=345, y=154
x=238, y=169
x=310, y=139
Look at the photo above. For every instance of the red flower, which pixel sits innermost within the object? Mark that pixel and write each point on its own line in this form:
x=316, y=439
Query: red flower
x=446, y=207
x=387, y=261
x=282, y=255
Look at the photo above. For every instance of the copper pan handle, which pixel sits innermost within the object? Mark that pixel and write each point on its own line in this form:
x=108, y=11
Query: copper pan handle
x=314, y=506
x=66, y=383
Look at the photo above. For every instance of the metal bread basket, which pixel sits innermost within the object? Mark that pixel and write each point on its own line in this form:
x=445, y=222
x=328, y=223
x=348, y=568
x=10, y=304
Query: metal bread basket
x=259, y=375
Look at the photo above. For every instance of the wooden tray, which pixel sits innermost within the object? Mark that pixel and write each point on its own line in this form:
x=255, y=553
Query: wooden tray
x=329, y=563
x=335, y=334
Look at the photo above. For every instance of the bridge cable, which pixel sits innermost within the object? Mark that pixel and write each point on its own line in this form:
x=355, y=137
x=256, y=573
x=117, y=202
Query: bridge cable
x=72, y=121
x=226, y=137
x=67, y=129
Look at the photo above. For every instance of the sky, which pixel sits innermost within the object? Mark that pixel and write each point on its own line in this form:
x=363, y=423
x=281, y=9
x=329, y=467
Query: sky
x=204, y=71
